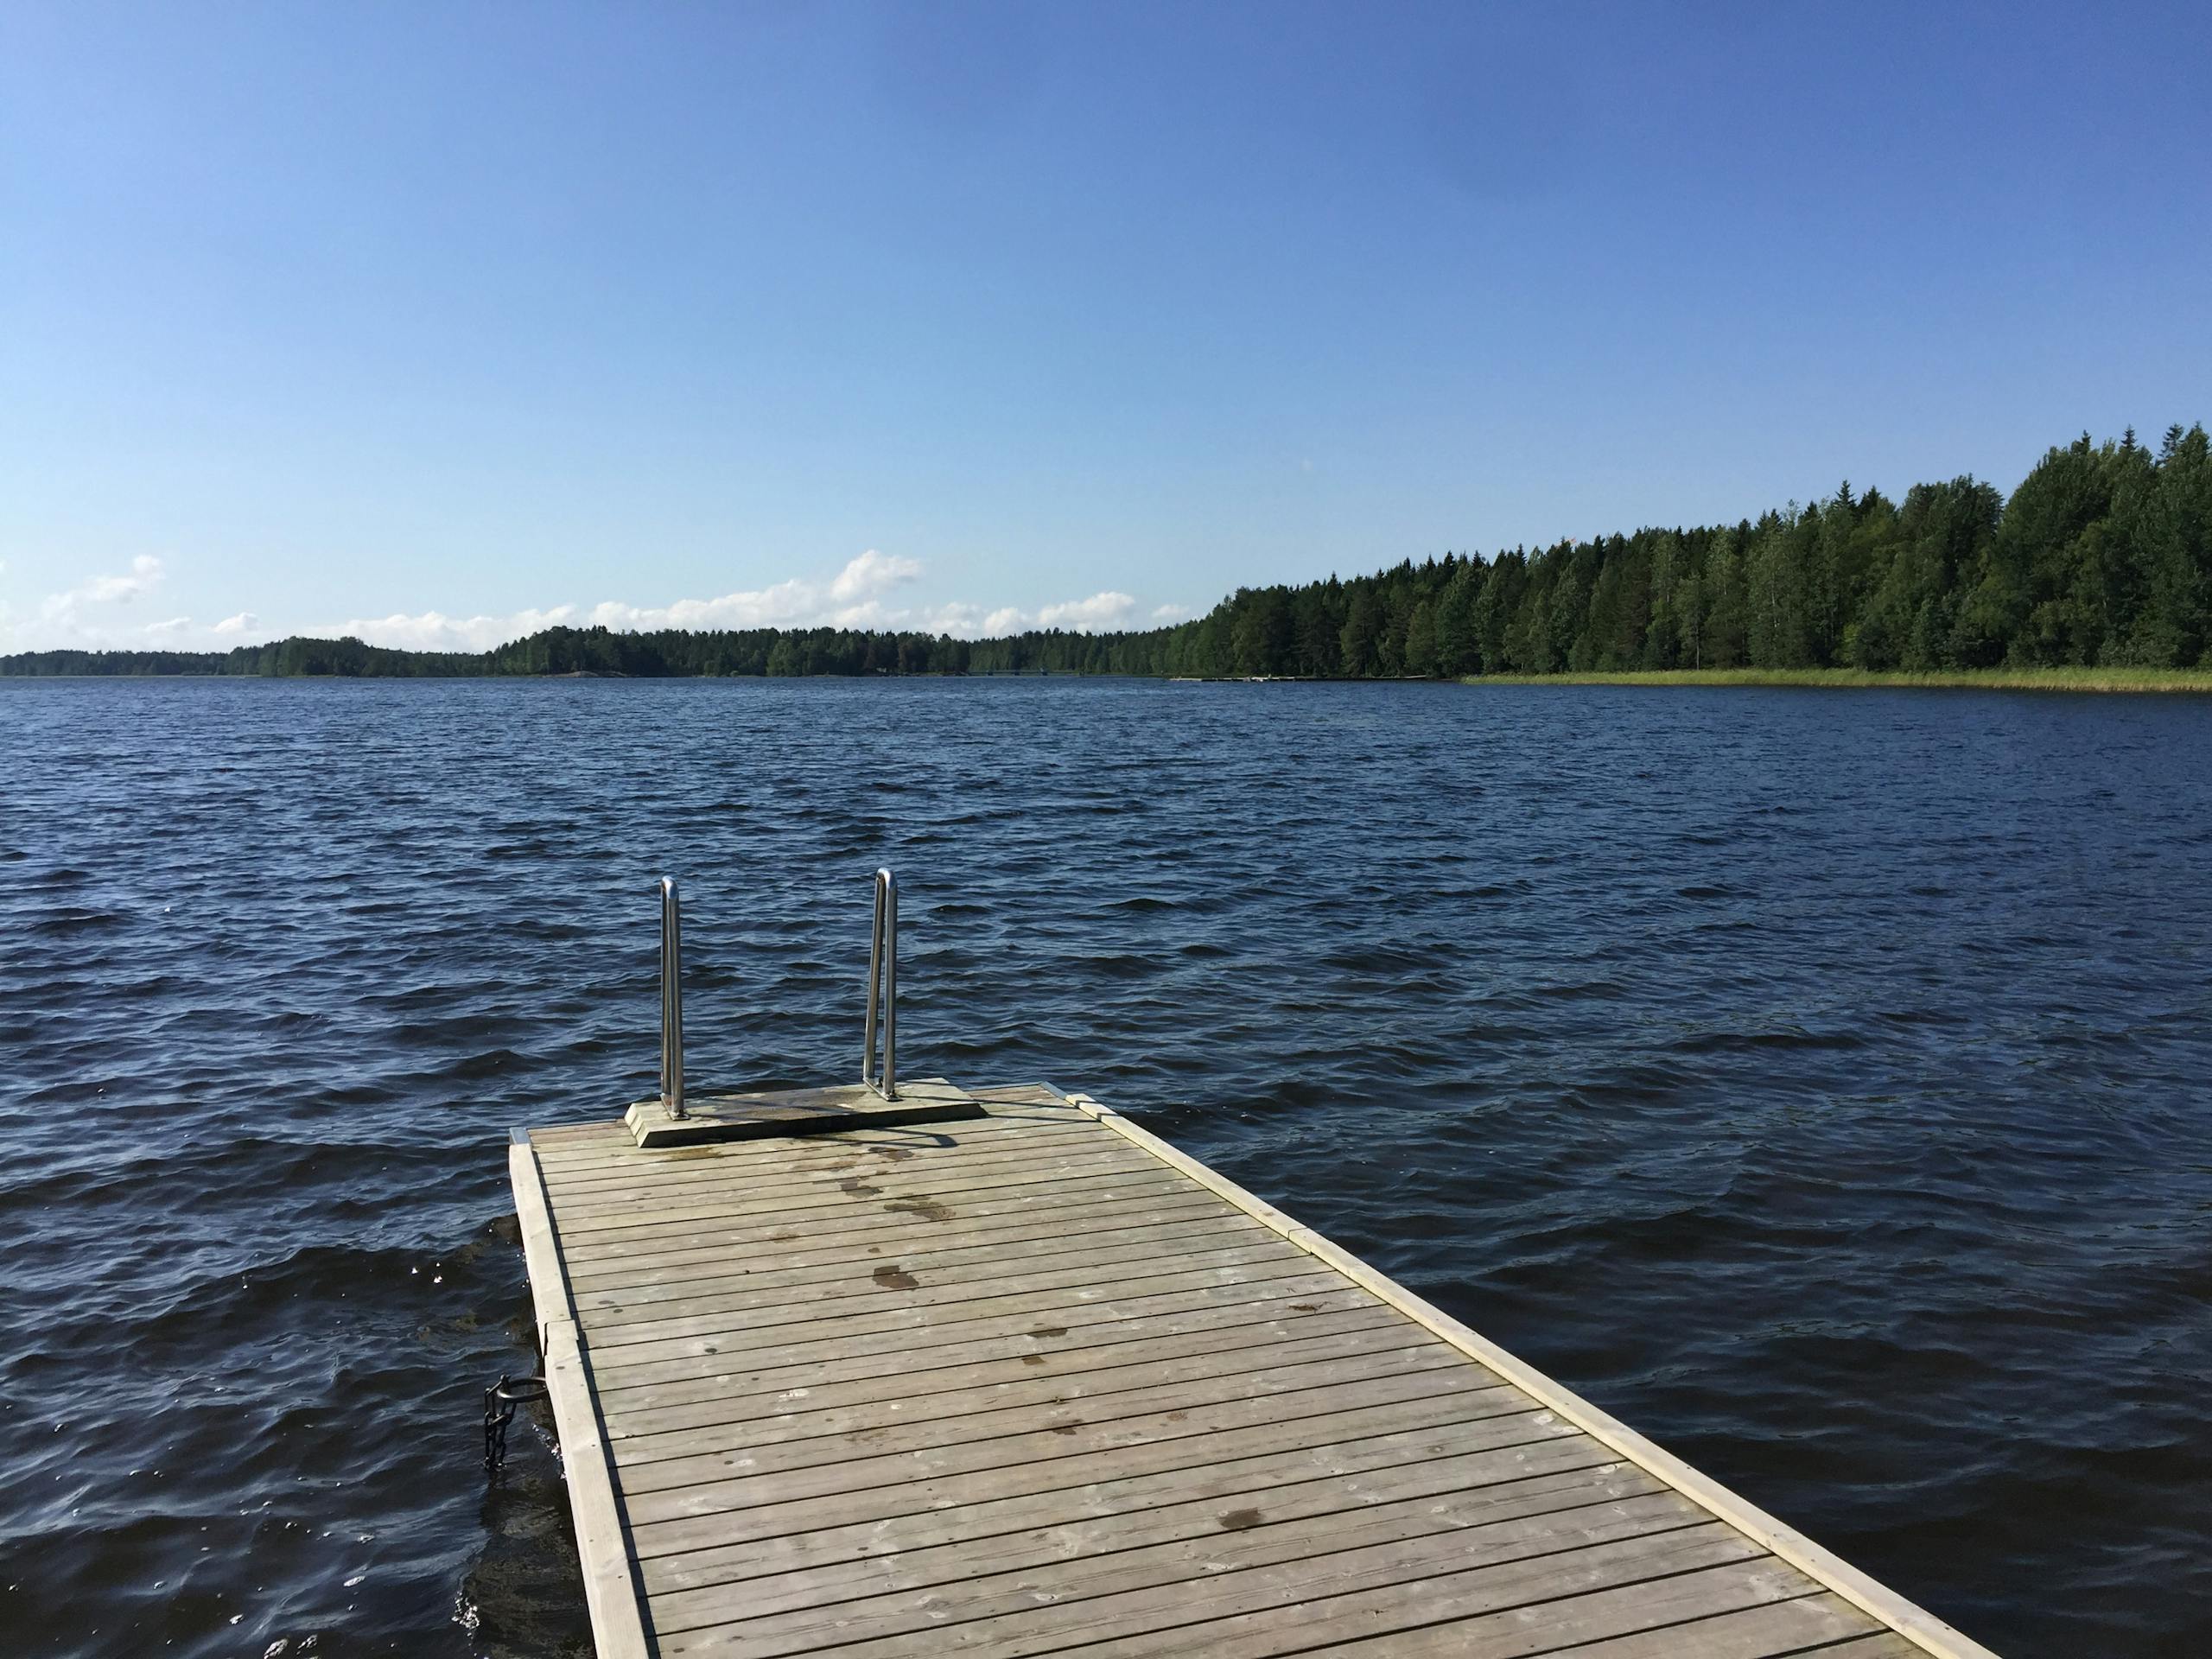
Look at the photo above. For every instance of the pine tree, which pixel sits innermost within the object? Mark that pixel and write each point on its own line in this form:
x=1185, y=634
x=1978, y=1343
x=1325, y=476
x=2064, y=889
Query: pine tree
x=1362, y=627
x=1420, y=640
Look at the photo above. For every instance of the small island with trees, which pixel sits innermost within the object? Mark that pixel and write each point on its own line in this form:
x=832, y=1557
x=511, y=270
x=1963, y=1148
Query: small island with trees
x=2096, y=572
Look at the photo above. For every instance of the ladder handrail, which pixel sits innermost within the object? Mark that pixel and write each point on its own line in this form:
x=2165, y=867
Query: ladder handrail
x=882, y=994
x=671, y=999
x=883, y=981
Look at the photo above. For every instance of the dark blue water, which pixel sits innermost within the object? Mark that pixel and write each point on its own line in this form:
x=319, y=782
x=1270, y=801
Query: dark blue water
x=1819, y=1081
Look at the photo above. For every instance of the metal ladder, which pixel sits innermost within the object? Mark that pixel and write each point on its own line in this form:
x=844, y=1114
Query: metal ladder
x=882, y=994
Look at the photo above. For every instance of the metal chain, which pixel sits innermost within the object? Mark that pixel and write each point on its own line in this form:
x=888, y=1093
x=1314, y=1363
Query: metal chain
x=499, y=1403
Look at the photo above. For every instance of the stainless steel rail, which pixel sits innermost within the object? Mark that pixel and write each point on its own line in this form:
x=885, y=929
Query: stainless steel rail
x=671, y=999
x=883, y=983
x=882, y=994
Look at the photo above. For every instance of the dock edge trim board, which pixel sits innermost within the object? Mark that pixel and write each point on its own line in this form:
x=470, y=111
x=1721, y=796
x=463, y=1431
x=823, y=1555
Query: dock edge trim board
x=612, y=1591
x=1913, y=1623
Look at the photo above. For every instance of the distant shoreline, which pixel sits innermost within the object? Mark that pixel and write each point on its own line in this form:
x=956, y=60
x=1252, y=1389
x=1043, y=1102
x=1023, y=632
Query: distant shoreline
x=1968, y=679
x=2102, y=554
x=2168, y=681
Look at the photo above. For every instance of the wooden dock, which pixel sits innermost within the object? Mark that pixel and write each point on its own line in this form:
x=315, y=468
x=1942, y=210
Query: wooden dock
x=1035, y=1382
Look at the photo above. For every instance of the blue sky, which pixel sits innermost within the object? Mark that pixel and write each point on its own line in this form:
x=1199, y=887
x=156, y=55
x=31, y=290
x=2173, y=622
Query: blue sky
x=433, y=323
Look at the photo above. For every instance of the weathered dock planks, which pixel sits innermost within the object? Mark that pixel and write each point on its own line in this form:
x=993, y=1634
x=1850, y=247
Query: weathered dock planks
x=1035, y=1382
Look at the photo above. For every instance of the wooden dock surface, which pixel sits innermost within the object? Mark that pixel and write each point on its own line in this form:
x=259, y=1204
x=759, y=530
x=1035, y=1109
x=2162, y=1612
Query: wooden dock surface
x=1036, y=1384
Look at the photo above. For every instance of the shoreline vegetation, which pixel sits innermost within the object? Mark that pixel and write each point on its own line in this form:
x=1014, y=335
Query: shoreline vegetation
x=2094, y=574
x=1971, y=679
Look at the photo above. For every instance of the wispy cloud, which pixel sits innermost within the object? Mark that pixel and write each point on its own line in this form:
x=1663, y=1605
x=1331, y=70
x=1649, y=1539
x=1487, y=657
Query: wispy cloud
x=860, y=595
x=1104, y=610
x=99, y=611
x=436, y=631
x=869, y=591
x=66, y=607
x=856, y=597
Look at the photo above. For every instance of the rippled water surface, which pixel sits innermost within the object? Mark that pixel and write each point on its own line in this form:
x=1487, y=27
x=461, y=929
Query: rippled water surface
x=1818, y=1080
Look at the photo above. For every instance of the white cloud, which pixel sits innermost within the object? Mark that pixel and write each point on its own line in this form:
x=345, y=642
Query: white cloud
x=1170, y=613
x=1106, y=610
x=145, y=575
x=436, y=631
x=64, y=610
x=871, y=573
x=864, y=593
x=851, y=599
x=96, y=614
x=957, y=618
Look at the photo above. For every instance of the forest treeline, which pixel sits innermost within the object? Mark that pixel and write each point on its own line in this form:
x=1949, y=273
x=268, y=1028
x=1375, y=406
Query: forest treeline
x=668, y=652
x=2099, y=558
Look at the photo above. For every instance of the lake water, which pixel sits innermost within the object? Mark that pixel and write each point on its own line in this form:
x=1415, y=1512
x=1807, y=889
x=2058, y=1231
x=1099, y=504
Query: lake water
x=1816, y=1080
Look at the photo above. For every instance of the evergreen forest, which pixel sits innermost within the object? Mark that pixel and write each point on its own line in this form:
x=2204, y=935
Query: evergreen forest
x=2102, y=558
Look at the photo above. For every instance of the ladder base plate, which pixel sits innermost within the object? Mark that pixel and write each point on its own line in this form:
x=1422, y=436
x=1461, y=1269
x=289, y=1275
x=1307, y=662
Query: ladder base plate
x=723, y=1117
